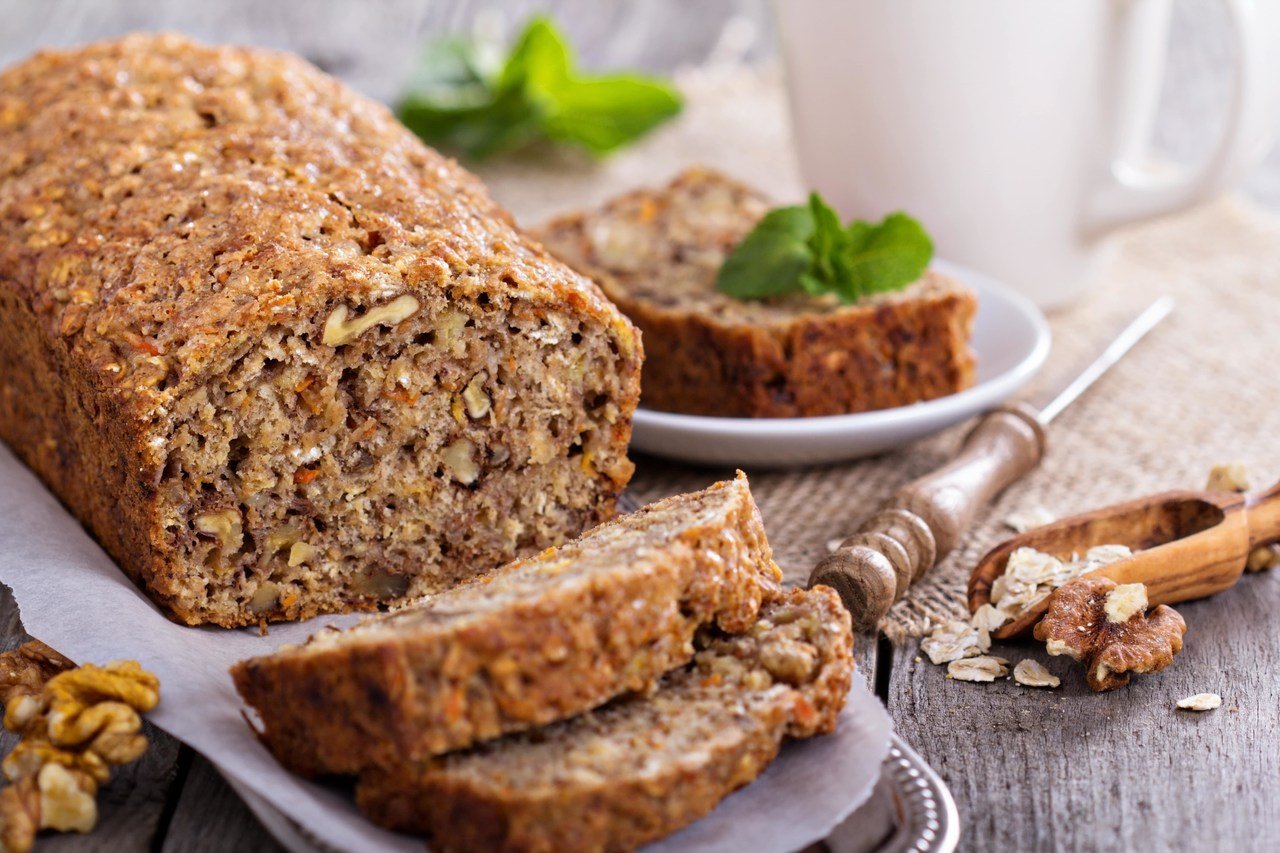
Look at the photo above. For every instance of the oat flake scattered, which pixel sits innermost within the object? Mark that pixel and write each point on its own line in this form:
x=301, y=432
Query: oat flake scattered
x=954, y=640
x=1200, y=702
x=1030, y=673
x=988, y=618
x=986, y=668
x=1031, y=575
x=1022, y=520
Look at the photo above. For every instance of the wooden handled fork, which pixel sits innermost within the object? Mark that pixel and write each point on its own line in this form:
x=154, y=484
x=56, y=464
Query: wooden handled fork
x=922, y=523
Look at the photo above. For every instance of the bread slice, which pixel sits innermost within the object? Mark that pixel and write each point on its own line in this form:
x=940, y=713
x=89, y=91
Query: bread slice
x=656, y=254
x=276, y=354
x=643, y=766
x=540, y=640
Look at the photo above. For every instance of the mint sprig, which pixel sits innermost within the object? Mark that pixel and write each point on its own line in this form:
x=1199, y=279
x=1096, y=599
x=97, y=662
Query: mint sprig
x=466, y=98
x=805, y=249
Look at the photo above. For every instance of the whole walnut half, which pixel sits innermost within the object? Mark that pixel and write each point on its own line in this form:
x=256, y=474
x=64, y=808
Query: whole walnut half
x=1106, y=627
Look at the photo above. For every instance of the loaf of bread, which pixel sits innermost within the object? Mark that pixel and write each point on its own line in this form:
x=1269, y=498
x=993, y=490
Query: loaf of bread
x=540, y=640
x=643, y=766
x=657, y=252
x=277, y=355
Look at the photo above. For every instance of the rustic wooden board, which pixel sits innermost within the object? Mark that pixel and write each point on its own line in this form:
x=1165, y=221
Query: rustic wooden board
x=1072, y=770
x=210, y=818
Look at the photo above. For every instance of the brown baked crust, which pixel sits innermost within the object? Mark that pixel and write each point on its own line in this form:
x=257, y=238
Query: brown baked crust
x=165, y=207
x=656, y=252
x=449, y=672
x=642, y=767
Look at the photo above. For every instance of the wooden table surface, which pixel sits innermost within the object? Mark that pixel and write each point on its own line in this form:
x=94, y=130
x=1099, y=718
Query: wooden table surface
x=1064, y=772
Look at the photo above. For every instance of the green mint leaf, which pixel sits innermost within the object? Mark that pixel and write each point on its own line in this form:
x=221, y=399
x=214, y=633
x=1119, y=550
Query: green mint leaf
x=885, y=257
x=606, y=113
x=772, y=258
x=828, y=245
x=464, y=98
x=540, y=60
x=807, y=250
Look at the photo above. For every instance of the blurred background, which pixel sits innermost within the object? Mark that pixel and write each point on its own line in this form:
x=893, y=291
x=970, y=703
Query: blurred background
x=373, y=44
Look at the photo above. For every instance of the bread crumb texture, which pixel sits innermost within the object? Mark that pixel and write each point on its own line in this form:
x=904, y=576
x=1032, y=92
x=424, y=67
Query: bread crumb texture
x=280, y=357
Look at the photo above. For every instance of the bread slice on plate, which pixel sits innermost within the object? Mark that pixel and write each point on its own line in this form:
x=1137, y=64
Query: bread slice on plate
x=643, y=766
x=656, y=253
x=538, y=641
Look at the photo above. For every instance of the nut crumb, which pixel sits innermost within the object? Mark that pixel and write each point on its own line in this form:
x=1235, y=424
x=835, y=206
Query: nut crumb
x=1232, y=477
x=1201, y=702
x=1030, y=673
x=985, y=668
x=1262, y=558
x=1126, y=600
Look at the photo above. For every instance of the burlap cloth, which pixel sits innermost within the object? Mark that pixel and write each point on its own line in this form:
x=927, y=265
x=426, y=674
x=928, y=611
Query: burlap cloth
x=1199, y=391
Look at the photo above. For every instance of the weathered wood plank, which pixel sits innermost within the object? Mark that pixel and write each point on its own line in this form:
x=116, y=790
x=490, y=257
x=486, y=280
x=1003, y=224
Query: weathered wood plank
x=1072, y=770
x=131, y=806
x=211, y=818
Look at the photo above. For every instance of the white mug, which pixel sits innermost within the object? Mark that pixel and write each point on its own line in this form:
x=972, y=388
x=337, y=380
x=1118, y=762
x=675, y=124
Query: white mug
x=1016, y=131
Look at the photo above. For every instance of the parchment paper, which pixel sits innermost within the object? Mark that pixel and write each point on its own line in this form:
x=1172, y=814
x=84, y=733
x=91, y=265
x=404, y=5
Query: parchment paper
x=73, y=597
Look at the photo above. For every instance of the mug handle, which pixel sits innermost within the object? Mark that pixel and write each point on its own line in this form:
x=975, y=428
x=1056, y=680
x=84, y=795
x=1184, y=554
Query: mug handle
x=1134, y=193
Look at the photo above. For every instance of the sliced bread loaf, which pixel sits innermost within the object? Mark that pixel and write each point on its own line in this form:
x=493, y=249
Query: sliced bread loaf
x=656, y=253
x=278, y=356
x=538, y=641
x=642, y=766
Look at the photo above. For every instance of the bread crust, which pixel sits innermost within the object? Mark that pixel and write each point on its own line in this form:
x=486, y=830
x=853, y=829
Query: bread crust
x=462, y=805
x=414, y=689
x=709, y=354
x=164, y=205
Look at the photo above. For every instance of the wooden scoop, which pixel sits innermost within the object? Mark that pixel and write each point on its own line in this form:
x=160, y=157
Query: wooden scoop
x=1187, y=545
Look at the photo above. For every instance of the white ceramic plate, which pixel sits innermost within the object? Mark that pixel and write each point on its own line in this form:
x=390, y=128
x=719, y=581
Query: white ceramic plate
x=1010, y=337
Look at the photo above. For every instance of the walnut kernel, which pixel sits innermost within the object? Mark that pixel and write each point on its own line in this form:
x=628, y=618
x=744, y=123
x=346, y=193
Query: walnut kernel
x=67, y=804
x=338, y=330
x=475, y=398
x=74, y=723
x=790, y=661
x=459, y=460
x=1077, y=624
x=225, y=526
x=302, y=552
x=265, y=597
